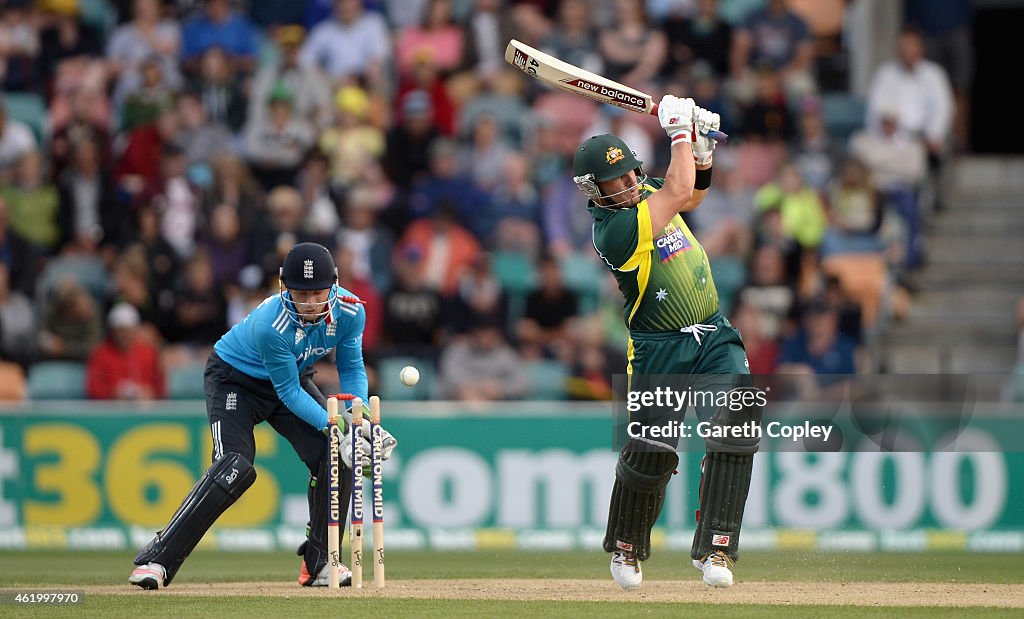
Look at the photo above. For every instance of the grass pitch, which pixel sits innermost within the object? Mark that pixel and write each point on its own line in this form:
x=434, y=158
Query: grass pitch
x=531, y=584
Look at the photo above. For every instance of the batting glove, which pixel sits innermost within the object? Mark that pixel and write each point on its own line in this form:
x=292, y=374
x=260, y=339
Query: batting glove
x=704, y=121
x=676, y=117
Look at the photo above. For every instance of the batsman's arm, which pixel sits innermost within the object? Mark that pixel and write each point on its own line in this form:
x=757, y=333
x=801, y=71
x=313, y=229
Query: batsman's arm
x=698, y=194
x=279, y=362
x=348, y=357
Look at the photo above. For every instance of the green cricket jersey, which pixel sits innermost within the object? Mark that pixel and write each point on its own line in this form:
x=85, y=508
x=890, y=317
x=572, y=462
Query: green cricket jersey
x=664, y=275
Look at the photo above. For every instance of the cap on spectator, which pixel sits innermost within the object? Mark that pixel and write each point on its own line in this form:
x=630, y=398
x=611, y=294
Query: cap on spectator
x=292, y=34
x=416, y=102
x=61, y=7
x=352, y=100
x=280, y=92
x=123, y=315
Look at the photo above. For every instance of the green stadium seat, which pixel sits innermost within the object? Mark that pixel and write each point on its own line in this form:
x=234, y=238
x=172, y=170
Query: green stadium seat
x=30, y=109
x=583, y=275
x=57, y=380
x=547, y=379
x=99, y=14
x=514, y=270
x=185, y=382
x=843, y=114
x=390, y=387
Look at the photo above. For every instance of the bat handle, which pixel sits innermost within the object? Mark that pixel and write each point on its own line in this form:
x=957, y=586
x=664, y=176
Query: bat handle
x=718, y=136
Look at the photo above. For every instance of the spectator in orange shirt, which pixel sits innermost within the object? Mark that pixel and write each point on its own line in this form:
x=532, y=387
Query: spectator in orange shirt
x=124, y=366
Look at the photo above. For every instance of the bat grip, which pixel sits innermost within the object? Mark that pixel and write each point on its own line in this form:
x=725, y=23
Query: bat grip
x=718, y=136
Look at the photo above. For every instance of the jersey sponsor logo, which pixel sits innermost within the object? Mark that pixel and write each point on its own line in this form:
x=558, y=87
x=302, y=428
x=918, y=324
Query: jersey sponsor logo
x=672, y=243
x=719, y=540
x=310, y=351
x=307, y=269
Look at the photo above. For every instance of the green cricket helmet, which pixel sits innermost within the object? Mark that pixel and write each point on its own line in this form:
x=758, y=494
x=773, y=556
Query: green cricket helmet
x=603, y=158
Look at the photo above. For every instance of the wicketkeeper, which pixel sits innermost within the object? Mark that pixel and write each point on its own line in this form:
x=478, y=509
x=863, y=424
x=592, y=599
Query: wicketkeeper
x=671, y=310
x=262, y=370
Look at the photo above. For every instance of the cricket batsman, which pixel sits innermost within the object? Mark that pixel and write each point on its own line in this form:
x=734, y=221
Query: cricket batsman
x=671, y=311
x=262, y=370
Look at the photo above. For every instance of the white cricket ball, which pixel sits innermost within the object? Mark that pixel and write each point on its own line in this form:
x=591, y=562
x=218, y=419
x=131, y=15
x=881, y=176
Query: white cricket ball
x=409, y=376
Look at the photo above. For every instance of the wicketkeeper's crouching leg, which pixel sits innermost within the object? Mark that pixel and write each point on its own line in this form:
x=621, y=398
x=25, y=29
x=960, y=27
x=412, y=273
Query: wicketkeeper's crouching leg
x=641, y=475
x=220, y=486
x=725, y=482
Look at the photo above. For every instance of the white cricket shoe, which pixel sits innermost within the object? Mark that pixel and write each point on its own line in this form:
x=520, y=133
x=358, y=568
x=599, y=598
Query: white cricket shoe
x=148, y=576
x=717, y=569
x=344, y=576
x=626, y=569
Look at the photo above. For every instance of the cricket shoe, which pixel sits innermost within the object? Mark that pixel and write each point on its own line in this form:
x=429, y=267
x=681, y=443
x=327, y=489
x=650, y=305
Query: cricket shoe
x=717, y=569
x=344, y=576
x=626, y=569
x=148, y=576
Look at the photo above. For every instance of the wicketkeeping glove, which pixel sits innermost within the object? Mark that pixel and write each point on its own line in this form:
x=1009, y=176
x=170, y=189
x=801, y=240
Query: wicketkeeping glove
x=703, y=146
x=676, y=117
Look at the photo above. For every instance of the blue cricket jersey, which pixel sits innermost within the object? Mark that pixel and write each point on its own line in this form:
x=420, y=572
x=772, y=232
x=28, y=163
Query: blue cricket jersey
x=269, y=345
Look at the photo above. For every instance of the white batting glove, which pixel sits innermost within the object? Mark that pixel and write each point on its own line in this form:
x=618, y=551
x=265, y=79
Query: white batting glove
x=676, y=117
x=703, y=146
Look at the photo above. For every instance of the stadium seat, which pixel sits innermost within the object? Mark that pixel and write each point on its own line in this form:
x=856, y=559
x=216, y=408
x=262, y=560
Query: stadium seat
x=547, y=379
x=389, y=385
x=514, y=270
x=57, y=380
x=99, y=14
x=583, y=275
x=30, y=109
x=843, y=114
x=12, y=382
x=185, y=382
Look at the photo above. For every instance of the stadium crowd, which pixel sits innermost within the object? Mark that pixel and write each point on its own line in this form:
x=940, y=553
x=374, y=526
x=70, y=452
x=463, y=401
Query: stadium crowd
x=159, y=158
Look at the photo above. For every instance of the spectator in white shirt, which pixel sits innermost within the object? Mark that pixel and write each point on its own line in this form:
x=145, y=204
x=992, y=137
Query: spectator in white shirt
x=353, y=44
x=16, y=141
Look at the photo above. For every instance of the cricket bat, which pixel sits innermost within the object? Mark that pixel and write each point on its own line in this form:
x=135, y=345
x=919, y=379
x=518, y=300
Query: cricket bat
x=561, y=74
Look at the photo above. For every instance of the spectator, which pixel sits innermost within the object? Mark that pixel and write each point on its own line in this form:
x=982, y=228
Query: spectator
x=511, y=219
x=725, y=218
x=133, y=284
x=283, y=228
x=200, y=309
x=767, y=117
x=248, y=290
x=219, y=26
x=234, y=186
x=219, y=88
x=353, y=141
x=353, y=45
x=479, y=294
x=815, y=153
x=918, y=91
x=703, y=36
x=762, y=350
x=19, y=46
x=276, y=144
x=143, y=102
x=226, y=245
x=81, y=125
x=177, y=202
x=482, y=367
x=503, y=98
x=572, y=38
x=424, y=75
x=544, y=329
x=370, y=242
x=632, y=51
x=323, y=216
x=147, y=39
x=802, y=212
x=413, y=313
x=16, y=141
x=447, y=248
x=307, y=82
x=408, y=142
x=436, y=37
x=488, y=31
x=160, y=259
x=17, y=322
x=124, y=366
x=33, y=204
x=447, y=183
x=139, y=166
x=16, y=254
x=898, y=165
x=771, y=291
x=819, y=350
x=67, y=37
x=203, y=140
x=364, y=289
x=775, y=37
x=855, y=212
x=486, y=153
x=71, y=324
x=90, y=213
